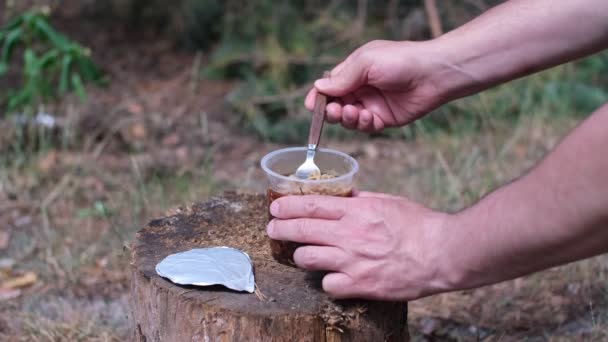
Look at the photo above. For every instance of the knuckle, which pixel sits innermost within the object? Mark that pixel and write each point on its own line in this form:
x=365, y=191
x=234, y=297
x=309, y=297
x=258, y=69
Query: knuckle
x=372, y=44
x=311, y=208
x=302, y=231
x=370, y=227
x=374, y=73
x=366, y=55
x=309, y=258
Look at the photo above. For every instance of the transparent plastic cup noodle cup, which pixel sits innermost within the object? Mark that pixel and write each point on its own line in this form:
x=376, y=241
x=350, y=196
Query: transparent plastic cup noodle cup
x=279, y=167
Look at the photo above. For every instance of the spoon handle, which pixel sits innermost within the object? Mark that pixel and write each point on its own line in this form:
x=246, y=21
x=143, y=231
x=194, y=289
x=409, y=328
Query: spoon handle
x=318, y=118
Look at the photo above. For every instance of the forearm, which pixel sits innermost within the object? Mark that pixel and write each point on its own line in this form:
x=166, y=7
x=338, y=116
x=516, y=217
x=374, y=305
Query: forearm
x=555, y=214
x=515, y=39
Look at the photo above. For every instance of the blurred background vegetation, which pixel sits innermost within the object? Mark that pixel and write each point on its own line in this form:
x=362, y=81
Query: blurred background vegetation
x=113, y=111
x=274, y=50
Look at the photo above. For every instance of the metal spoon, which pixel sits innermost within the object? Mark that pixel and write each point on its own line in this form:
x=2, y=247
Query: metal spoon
x=309, y=168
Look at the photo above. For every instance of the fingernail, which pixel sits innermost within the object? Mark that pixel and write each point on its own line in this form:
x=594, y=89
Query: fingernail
x=270, y=228
x=274, y=208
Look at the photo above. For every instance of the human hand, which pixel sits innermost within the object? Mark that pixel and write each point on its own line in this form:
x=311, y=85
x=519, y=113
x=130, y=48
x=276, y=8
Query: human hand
x=382, y=84
x=377, y=246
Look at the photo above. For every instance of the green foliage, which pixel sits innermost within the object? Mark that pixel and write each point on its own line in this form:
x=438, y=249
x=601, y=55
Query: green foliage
x=276, y=49
x=51, y=64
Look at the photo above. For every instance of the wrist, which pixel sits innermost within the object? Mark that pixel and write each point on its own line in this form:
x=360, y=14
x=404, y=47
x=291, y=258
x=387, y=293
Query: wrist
x=446, y=255
x=449, y=71
x=459, y=247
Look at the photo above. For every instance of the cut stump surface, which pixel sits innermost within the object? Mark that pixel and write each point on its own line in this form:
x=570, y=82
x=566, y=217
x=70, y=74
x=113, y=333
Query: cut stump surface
x=289, y=304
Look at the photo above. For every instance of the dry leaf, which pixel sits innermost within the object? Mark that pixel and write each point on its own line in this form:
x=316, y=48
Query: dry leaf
x=171, y=139
x=135, y=108
x=138, y=131
x=9, y=294
x=22, y=281
x=48, y=161
x=4, y=237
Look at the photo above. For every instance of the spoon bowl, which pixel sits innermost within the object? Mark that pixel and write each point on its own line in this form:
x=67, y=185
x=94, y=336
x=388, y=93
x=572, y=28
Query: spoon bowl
x=309, y=169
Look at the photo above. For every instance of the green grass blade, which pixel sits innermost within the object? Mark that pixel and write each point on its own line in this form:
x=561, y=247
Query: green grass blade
x=64, y=78
x=16, y=22
x=23, y=97
x=31, y=63
x=48, y=32
x=48, y=59
x=88, y=69
x=78, y=86
x=12, y=38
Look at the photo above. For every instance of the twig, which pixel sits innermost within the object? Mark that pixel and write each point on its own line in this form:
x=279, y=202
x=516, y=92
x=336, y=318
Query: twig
x=104, y=125
x=260, y=60
x=110, y=133
x=195, y=76
x=12, y=206
x=141, y=187
x=261, y=296
x=456, y=186
x=205, y=127
x=433, y=15
x=49, y=199
x=52, y=261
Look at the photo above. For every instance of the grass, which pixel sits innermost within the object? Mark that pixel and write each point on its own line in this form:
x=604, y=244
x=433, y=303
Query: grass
x=82, y=220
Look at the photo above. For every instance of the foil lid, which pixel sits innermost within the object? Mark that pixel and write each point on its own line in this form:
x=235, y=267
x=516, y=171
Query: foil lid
x=225, y=266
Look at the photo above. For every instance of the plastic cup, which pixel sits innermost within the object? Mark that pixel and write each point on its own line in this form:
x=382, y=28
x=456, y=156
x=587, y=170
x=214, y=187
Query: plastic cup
x=281, y=164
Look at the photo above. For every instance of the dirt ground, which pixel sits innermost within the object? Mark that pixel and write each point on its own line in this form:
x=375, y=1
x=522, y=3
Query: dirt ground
x=159, y=137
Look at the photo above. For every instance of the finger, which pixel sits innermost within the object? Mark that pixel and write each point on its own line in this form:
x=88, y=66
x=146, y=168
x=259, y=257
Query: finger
x=338, y=68
x=309, y=206
x=366, y=121
x=348, y=76
x=373, y=100
x=334, y=113
x=350, y=116
x=309, y=102
x=319, y=258
x=348, y=99
x=378, y=123
x=339, y=285
x=304, y=230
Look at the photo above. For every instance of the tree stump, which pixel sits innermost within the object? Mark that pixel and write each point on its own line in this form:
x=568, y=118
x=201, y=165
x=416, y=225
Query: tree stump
x=289, y=304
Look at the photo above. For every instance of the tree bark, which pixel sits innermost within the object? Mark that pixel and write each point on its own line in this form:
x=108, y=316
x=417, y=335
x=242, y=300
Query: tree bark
x=289, y=304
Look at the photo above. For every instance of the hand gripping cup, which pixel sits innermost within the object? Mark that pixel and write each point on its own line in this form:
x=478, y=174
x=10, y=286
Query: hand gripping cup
x=338, y=172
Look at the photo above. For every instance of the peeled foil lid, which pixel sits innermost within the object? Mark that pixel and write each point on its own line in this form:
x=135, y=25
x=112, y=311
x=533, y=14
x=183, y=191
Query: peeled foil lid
x=225, y=266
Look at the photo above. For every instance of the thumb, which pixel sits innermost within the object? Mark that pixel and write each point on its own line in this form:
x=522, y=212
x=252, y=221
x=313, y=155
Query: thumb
x=345, y=78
